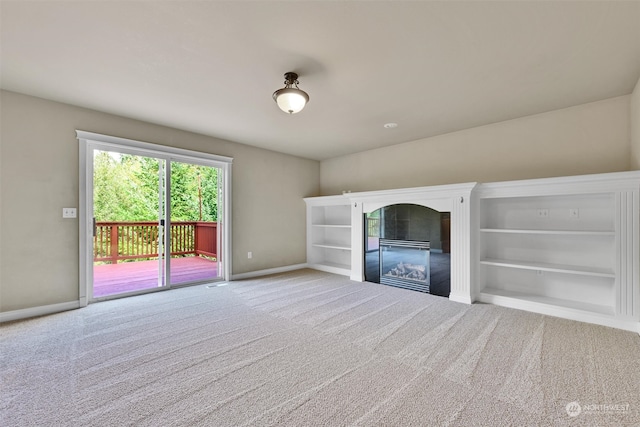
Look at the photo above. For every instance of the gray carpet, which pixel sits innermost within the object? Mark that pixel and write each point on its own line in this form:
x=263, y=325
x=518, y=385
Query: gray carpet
x=310, y=348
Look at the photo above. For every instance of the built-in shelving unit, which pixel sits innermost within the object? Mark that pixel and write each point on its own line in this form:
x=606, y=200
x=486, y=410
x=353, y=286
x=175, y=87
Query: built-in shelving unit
x=563, y=247
x=329, y=234
x=566, y=247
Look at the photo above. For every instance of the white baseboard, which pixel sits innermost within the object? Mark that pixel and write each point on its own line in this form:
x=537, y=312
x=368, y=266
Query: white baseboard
x=42, y=310
x=463, y=298
x=268, y=271
x=563, y=312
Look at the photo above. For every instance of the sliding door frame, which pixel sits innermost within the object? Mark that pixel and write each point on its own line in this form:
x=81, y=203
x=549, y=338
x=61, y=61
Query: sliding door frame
x=88, y=142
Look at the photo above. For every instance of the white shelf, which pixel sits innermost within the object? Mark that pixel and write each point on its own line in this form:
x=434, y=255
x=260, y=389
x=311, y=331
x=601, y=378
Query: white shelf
x=556, y=268
x=328, y=245
x=550, y=232
x=332, y=267
x=539, y=303
x=329, y=234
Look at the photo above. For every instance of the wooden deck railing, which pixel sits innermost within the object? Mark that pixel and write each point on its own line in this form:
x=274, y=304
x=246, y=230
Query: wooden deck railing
x=117, y=241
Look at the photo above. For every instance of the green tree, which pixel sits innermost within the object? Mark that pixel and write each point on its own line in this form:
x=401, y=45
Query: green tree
x=209, y=179
x=184, y=192
x=121, y=190
x=126, y=189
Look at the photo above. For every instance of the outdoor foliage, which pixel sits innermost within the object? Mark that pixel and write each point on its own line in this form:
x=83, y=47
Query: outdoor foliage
x=126, y=189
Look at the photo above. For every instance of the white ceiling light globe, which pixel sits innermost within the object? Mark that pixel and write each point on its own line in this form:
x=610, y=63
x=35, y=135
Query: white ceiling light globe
x=289, y=99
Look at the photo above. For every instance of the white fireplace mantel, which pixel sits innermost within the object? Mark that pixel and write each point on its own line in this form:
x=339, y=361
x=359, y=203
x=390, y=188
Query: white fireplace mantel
x=457, y=199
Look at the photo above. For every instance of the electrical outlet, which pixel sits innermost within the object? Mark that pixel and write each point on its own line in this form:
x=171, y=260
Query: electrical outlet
x=574, y=213
x=543, y=213
x=249, y=255
x=69, y=212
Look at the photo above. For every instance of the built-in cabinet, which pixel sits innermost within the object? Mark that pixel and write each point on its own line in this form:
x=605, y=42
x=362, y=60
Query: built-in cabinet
x=567, y=247
x=564, y=246
x=329, y=234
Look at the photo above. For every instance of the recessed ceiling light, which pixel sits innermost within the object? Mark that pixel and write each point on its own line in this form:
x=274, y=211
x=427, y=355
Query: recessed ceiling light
x=390, y=125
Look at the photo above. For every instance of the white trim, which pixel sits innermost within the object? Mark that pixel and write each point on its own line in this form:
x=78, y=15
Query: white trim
x=166, y=214
x=258, y=273
x=566, y=185
x=562, y=312
x=227, y=258
x=147, y=146
x=433, y=192
x=462, y=298
x=334, y=269
x=357, y=241
x=41, y=310
x=85, y=226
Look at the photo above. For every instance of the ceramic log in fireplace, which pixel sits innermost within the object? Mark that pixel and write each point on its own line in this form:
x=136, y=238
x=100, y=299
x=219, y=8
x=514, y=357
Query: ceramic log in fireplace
x=405, y=264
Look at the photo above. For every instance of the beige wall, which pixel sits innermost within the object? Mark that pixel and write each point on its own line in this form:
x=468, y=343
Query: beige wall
x=39, y=176
x=634, y=127
x=589, y=138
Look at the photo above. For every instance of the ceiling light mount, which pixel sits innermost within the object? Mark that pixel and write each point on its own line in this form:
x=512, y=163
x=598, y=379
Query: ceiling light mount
x=291, y=99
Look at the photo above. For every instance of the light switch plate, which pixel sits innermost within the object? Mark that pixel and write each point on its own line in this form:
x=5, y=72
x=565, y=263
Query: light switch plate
x=69, y=213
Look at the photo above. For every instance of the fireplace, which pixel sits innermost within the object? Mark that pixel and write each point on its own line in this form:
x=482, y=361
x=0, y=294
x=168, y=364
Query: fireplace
x=449, y=273
x=405, y=264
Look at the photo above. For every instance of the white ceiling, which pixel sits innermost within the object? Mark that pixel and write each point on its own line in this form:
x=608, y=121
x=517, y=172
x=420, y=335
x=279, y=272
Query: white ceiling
x=211, y=66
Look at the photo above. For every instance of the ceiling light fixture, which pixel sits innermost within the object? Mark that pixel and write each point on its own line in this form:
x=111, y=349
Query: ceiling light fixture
x=291, y=99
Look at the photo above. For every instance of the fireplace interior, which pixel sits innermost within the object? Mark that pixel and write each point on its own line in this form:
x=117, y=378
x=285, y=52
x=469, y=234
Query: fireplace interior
x=413, y=224
x=405, y=264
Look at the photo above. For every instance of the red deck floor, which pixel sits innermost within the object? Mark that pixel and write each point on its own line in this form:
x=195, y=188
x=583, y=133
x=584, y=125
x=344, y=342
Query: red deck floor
x=111, y=279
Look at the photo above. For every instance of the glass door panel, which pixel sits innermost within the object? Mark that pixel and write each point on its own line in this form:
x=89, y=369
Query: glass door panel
x=194, y=225
x=128, y=226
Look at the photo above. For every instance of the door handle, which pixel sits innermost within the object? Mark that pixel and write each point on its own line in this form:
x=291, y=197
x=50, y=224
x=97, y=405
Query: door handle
x=95, y=227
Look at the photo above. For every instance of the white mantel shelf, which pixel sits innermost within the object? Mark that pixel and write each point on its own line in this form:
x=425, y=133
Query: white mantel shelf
x=564, y=247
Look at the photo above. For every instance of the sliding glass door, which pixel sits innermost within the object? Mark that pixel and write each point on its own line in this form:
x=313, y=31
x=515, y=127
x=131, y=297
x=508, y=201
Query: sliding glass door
x=150, y=219
x=195, y=236
x=128, y=223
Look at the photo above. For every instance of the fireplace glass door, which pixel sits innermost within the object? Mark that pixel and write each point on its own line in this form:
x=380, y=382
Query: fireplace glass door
x=405, y=264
